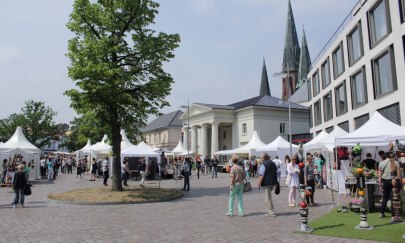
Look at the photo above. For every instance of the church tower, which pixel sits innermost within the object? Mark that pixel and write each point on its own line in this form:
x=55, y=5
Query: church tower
x=291, y=57
x=264, y=85
x=305, y=62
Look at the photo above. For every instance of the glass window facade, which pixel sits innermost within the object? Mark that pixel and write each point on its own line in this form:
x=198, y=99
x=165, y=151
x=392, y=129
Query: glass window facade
x=329, y=129
x=309, y=90
x=360, y=120
x=311, y=124
x=379, y=21
x=359, y=88
x=338, y=61
x=315, y=83
x=325, y=71
x=392, y=113
x=384, y=76
x=344, y=126
x=282, y=128
x=327, y=107
x=317, y=113
x=244, y=128
x=355, y=44
x=341, y=99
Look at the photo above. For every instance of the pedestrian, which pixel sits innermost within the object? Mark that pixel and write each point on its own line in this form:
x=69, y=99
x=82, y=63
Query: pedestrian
x=389, y=172
x=237, y=175
x=185, y=170
x=198, y=162
x=369, y=162
x=42, y=168
x=93, y=169
x=268, y=181
x=79, y=169
x=142, y=171
x=246, y=164
x=287, y=161
x=125, y=172
x=19, y=183
x=309, y=179
x=278, y=163
x=106, y=171
x=207, y=163
x=214, y=162
x=4, y=173
x=27, y=170
x=293, y=171
x=49, y=164
x=63, y=168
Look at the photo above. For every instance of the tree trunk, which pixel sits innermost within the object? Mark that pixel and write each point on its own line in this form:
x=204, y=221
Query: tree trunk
x=116, y=144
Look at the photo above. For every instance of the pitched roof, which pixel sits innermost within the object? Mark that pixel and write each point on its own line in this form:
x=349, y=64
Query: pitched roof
x=291, y=45
x=165, y=121
x=214, y=106
x=264, y=85
x=305, y=61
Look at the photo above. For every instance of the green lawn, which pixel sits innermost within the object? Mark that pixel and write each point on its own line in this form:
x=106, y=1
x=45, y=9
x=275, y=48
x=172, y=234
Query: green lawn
x=343, y=225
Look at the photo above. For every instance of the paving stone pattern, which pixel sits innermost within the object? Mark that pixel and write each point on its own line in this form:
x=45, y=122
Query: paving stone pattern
x=198, y=217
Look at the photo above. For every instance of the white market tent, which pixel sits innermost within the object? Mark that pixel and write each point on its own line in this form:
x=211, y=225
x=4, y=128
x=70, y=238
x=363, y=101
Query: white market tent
x=224, y=152
x=101, y=147
x=279, y=145
x=141, y=150
x=254, y=143
x=314, y=143
x=125, y=143
x=328, y=142
x=378, y=131
x=179, y=149
x=18, y=144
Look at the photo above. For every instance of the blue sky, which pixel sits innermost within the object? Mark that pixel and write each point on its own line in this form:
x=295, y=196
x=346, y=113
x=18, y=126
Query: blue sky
x=219, y=60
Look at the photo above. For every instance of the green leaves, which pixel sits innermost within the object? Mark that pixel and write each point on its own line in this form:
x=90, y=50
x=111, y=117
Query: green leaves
x=36, y=120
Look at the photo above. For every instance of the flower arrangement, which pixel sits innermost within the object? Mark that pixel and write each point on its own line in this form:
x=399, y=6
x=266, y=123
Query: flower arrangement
x=355, y=201
x=369, y=174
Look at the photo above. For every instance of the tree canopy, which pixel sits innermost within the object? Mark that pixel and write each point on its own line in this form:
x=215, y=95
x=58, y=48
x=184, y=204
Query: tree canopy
x=117, y=64
x=37, y=123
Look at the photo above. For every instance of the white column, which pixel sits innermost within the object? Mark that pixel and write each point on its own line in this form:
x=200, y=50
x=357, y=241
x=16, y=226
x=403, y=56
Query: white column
x=234, y=135
x=194, y=139
x=204, y=142
x=186, y=138
x=214, y=138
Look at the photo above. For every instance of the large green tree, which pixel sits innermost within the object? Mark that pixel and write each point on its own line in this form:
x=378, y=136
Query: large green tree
x=37, y=122
x=116, y=62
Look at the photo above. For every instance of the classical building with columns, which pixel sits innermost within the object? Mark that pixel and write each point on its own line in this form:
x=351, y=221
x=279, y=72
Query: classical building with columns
x=208, y=128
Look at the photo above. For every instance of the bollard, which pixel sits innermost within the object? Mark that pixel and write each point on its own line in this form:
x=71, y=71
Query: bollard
x=304, y=218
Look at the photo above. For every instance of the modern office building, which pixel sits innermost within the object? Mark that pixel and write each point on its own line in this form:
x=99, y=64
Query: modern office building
x=360, y=70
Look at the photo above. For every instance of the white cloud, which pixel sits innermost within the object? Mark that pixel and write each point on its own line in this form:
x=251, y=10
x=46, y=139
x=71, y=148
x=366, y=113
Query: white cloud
x=9, y=53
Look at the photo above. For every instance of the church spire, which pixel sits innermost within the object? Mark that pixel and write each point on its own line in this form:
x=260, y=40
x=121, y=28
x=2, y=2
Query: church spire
x=291, y=45
x=264, y=85
x=305, y=61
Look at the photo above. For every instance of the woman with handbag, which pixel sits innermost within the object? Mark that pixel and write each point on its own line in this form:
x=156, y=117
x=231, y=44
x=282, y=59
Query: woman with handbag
x=19, y=183
x=292, y=178
x=237, y=175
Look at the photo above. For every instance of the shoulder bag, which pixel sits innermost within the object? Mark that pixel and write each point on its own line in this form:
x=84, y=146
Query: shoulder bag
x=247, y=187
x=27, y=190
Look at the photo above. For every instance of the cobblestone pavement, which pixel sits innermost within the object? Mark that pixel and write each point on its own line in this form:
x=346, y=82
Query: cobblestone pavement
x=198, y=217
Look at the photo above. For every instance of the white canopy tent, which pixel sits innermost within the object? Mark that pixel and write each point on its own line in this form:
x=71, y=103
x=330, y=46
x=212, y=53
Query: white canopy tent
x=179, y=149
x=18, y=144
x=125, y=143
x=254, y=143
x=378, y=131
x=328, y=142
x=138, y=151
x=101, y=147
x=314, y=143
x=279, y=147
x=224, y=152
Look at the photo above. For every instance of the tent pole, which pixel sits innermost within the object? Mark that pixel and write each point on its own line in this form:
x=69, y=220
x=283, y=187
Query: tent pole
x=331, y=181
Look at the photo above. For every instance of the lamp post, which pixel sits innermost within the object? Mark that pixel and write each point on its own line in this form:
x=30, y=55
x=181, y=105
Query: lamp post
x=188, y=124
